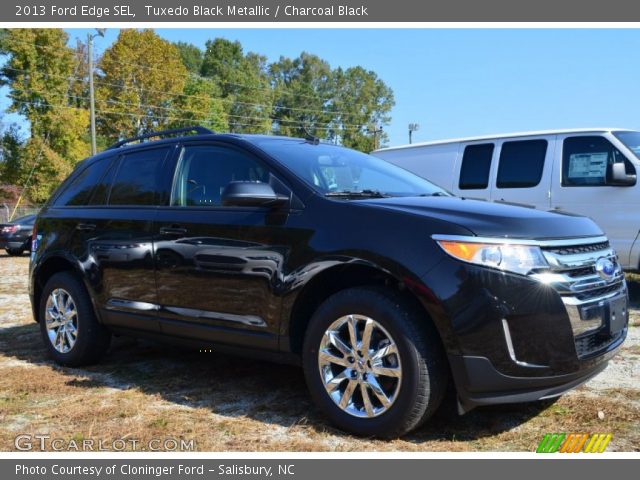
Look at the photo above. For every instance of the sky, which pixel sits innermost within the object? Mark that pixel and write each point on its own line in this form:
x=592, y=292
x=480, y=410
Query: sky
x=464, y=82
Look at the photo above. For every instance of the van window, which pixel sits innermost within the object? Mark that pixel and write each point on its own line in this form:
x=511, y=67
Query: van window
x=521, y=163
x=476, y=164
x=586, y=160
x=205, y=170
x=79, y=191
x=139, y=178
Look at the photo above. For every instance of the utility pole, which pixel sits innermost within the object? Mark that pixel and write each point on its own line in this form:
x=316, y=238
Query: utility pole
x=413, y=127
x=92, y=100
x=375, y=131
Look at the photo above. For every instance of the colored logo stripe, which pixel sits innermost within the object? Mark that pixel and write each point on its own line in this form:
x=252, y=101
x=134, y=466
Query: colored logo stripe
x=574, y=443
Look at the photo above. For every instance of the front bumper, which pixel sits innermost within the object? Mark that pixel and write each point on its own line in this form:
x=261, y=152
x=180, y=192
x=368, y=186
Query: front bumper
x=512, y=338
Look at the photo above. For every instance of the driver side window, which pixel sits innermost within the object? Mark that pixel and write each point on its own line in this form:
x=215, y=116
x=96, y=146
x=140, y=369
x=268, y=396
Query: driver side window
x=205, y=170
x=587, y=160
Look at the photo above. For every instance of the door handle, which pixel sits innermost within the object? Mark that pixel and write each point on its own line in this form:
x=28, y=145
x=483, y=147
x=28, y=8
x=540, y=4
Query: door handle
x=173, y=231
x=85, y=227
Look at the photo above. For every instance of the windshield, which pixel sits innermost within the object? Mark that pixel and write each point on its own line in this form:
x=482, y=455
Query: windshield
x=631, y=140
x=333, y=169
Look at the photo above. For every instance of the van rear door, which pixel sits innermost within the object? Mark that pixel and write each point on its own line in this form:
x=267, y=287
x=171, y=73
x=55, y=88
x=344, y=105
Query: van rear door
x=523, y=173
x=474, y=169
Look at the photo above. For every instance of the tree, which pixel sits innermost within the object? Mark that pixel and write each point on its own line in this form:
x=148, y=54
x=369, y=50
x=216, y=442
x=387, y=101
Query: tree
x=243, y=83
x=363, y=103
x=304, y=93
x=39, y=71
x=191, y=56
x=11, y=156
x=200, y=105
x=141, y=77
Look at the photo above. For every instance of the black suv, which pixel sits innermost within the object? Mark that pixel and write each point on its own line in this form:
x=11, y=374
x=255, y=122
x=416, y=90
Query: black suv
x=381, y=285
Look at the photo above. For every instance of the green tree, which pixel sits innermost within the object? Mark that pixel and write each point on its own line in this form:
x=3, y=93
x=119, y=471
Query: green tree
x=304, y=90
x=38, y=70
x=243, y=83
x=201, y=105
x=141, y=77
x=191, y=56
x=11, y=156
x=363, y=102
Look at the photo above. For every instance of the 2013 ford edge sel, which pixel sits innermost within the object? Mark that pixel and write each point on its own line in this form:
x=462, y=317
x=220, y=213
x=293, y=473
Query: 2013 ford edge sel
x=383, y=286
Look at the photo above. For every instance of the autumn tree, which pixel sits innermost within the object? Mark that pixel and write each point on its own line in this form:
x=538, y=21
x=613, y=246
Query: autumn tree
x=243, y=83
x=200, y=105
x=140, y=76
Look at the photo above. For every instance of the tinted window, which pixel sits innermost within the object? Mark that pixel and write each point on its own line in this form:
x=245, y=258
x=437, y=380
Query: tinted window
x=521, y=163
x=205, y=170
x=80, y=189
x=586, y=160
x=139, y=178
x=476, y=164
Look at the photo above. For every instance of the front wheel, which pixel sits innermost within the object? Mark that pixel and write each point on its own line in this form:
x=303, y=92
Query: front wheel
x=373, y=363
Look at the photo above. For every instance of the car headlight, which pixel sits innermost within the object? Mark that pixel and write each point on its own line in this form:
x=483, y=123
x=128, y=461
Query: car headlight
x=509, y=257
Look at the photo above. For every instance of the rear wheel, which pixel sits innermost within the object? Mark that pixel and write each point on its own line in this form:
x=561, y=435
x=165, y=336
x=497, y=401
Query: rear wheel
x=68, y=324
x=14, y=252
x=372, y=364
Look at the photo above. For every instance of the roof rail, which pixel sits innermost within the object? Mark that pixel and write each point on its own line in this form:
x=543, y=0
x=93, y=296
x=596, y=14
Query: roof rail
x=162, y=133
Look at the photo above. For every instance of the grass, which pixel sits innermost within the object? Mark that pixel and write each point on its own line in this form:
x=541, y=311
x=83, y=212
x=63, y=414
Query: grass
x=146, y=391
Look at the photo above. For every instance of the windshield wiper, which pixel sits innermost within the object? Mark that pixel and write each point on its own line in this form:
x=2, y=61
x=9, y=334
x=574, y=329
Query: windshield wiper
x=357, y=194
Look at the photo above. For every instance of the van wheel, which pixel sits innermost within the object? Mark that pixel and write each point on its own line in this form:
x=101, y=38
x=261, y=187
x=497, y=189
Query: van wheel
x=68, y=324
x=373, y=364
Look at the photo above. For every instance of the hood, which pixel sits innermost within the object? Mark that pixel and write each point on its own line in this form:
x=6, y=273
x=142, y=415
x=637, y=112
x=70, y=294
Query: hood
x=488, y=219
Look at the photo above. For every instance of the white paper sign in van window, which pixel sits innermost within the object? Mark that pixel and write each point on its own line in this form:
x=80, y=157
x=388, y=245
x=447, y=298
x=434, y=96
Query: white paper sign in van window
x=588, y=165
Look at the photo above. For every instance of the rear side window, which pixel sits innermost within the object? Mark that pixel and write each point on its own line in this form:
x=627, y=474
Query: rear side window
x=139, y=178
x=476, y=165
x=521, y=163
x=80, y=190
x=585, y=161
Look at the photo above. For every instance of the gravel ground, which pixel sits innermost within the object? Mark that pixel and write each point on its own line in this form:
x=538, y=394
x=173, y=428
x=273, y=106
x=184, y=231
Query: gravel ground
x=143, y=391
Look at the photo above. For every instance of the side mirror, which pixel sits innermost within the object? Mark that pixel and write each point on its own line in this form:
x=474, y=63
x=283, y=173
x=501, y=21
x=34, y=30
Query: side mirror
x=251, y=194
x=617, y=175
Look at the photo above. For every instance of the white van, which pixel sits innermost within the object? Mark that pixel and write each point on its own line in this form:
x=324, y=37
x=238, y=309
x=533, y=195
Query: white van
x=591, y=172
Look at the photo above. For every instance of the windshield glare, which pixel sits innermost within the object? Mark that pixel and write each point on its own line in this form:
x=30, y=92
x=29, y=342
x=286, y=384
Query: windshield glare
x=631, y=140
x=330, y=168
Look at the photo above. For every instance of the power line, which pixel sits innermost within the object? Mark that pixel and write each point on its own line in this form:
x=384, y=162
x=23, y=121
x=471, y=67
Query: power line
x=193, y=75
x=184, y=95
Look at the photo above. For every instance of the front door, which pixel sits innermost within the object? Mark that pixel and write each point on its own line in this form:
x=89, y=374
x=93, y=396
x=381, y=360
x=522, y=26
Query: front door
x=219, y=268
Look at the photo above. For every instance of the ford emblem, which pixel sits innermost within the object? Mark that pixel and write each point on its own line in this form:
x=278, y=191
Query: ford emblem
x=605, y=268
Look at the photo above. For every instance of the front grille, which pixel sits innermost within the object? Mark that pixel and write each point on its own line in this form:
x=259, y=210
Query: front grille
x=572, y=273
x=577, y=249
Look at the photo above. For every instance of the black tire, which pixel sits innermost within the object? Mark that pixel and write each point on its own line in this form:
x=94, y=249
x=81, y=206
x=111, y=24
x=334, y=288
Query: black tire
x=424, y=364
x=14, y=252
x=92, y=339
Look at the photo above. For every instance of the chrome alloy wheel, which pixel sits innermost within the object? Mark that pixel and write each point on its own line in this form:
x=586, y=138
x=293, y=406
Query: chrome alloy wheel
x=61, y=317
x=360, y=366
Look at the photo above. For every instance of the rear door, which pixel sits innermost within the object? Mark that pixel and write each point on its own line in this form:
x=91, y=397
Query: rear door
x=523, y=173
x=113, y=237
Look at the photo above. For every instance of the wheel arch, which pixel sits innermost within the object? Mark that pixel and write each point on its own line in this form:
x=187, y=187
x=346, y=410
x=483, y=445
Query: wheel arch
x=340, y=277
